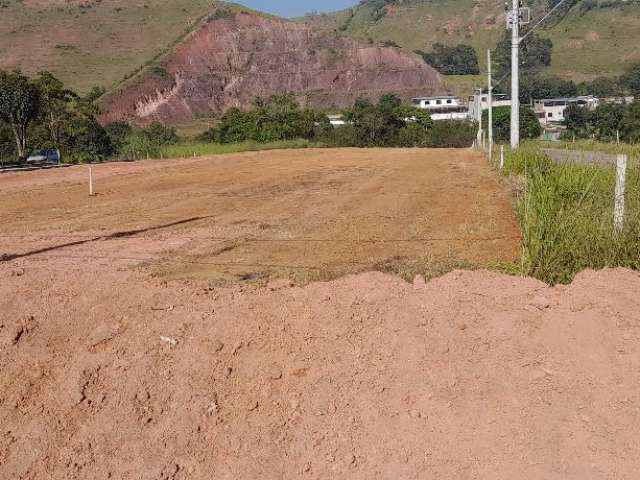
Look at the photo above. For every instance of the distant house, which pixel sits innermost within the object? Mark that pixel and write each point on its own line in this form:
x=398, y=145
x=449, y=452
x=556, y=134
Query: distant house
x=479, y=103
x=550, y=111
x=445, y=107
x=336, y=120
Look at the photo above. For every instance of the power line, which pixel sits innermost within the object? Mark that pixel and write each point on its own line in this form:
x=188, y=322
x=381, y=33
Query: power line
x=530, y=31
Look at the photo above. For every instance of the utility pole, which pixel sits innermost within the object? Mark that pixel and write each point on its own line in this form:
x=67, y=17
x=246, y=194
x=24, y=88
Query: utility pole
x=478, y=102
x=490, y=124
x=515, y=72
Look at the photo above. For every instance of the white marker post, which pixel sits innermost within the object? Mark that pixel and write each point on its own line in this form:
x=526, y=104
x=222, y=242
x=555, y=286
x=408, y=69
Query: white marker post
x=501, y=157
x=90, y=181
x=621, y=174
x=490, y=106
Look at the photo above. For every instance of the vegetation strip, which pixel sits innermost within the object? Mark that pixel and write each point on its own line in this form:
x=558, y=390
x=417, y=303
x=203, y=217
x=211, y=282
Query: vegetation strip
x=566, y=216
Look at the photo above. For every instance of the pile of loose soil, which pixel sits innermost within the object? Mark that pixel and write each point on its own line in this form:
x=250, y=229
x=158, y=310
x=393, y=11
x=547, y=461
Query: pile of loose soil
x=110, y=374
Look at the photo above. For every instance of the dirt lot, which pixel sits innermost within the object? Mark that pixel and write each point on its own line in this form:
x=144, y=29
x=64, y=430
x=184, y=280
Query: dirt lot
x=300, y=214
x=115, y=369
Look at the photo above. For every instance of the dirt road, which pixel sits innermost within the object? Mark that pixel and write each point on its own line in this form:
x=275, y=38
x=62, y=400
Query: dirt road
x=301, y=214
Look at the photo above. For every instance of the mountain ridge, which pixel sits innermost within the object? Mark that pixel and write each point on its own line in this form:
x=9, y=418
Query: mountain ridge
x=590, y=38
x=236, y=56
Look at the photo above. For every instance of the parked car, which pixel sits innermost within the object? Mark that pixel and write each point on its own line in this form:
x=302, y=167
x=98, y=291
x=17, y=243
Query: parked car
x=49, y=156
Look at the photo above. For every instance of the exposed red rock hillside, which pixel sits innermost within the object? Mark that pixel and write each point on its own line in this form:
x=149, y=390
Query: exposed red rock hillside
x=230, y=60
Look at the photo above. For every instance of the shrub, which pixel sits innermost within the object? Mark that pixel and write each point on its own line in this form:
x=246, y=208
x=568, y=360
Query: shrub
x=138, y=146
x=452, y=134
x=458, y=60
x=89, y=142
x=272, y=119
x=159, y=134
x=118, y=133
x=160, y=73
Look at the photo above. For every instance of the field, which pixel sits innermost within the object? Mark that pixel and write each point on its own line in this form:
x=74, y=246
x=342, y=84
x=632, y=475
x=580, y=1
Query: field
x=155, y=330
x=304, y=214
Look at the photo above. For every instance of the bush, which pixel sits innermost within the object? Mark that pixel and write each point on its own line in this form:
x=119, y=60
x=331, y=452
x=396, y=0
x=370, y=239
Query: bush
x=118, y=133
x=89, y=142
x=452, y=134
x=158, y=134
x=458, y=60
x=272, y=119
x=139, y=146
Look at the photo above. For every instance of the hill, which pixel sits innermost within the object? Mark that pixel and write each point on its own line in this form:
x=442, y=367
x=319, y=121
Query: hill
x=235, y=56
x=92, y=42
x=590, y=39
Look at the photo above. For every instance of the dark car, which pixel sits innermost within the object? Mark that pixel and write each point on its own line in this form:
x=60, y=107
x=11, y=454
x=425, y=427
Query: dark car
x=49, y=156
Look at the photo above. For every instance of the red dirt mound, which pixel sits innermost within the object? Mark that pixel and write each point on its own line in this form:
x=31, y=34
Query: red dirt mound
x=110, y=374
x=233, y=59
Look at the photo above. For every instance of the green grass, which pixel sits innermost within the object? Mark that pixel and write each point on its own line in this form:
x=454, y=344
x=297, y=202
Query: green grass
x=197, y=149
x=595, y=146
x=566, y=217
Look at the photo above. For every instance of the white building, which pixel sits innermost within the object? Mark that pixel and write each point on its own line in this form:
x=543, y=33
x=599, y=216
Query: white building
x=479, y=103
x=550, y=111
x=445, y=107
x=336, y=120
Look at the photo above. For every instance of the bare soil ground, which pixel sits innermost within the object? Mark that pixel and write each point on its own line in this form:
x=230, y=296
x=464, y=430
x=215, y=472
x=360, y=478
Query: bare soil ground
x=299, y=214
x=115, y=369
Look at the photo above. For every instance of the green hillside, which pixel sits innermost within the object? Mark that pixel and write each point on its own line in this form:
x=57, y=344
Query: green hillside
x=92, y=42
x=593, y=38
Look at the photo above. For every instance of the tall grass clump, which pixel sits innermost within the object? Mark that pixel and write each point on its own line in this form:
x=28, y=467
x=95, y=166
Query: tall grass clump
x=566, y=217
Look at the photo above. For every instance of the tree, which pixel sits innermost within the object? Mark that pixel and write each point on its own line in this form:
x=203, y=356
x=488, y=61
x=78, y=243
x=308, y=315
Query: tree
x=388, y=123
x=118, y=133
x=7, y=143
x=458, y=60
x=603, y=122
x=630, y=124
x=19, y=106
x=631, y=79
x=542, y=86
x=368, y=124
x=577, y=120
x=535, y=54
x=601, y=87
x=89, y=140
x=529, y=124
x=275, y=118
x=55, y=101
x=607, y=120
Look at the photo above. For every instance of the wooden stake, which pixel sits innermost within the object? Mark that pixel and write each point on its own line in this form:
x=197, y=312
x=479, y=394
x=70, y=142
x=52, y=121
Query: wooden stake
x=90, y=181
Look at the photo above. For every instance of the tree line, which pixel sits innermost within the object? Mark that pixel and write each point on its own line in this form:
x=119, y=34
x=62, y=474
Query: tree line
x=606, y=123
x=387, y=123
x=42, y=113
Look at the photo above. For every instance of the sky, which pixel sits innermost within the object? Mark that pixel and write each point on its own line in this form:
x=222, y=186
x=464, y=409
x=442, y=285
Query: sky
x=296, y=8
